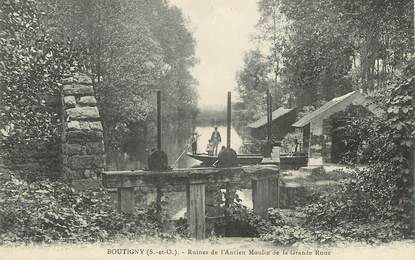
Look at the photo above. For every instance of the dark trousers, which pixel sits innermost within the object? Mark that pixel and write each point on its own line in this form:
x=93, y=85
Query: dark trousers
x=194, y=148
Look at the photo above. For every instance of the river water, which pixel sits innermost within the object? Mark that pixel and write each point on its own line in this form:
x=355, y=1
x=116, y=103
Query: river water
x=176, y=144
x=205, y=132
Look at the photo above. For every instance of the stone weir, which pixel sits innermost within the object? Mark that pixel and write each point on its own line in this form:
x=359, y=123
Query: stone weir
x=264, y=181
x=82, y=133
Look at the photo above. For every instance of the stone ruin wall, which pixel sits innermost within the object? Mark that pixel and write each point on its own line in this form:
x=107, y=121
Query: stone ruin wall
x=82, y=133
x=35, y=160
x=78, y=156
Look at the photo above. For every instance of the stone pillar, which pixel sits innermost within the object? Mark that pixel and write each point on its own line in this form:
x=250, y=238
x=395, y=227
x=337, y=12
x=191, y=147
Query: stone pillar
x=327, y=140
x=265, y=195
x=316, y=144
x=306, y=139
x=82, y=133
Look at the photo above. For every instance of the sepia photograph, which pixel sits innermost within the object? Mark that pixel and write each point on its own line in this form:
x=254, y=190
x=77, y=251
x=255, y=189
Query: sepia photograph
x=201, y=129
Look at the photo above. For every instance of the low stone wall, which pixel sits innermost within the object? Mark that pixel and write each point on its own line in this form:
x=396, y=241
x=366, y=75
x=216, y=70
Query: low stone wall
x=36, y=160
x=82, y=133
x=77, y=155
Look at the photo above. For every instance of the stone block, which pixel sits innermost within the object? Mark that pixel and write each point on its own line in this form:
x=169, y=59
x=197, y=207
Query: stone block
x=97, y=126
x=71, y=174
x=69, y=101
x=77, y=162
x=91, y=126
x=83, y=113
x=87, y=101
x=68, y=79
x=98, y=171
x=84, y=136
x=50, y=99
x=74, y=125
x=89, y=173
x=82, y=79
x=84, y=126
x=85, y=184
x=76, y=89
x=74, y=149
x=95, y=148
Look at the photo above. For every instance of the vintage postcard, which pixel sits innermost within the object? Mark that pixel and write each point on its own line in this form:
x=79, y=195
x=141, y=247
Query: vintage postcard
x=200, y=129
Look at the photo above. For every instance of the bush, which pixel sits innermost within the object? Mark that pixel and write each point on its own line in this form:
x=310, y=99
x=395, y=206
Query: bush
x=50, y=211
x=32, y=67
x=376, y=204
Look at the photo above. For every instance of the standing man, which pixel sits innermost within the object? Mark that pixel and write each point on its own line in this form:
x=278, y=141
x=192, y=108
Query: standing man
x=216, y=139
x=296, y=145
x=193, y=141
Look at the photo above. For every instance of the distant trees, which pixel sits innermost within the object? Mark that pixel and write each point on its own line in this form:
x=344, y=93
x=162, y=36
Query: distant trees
x=134, y=47
x=253, y=81
x=319, y=49
x=129, y=47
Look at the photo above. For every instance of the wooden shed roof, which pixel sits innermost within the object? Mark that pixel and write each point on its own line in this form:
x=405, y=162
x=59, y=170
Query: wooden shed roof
x=338, y=104
x=275, y=115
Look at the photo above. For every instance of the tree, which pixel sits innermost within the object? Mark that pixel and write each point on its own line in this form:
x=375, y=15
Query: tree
x=323, y=48
x=253, y=82
x=31, y=68
x=134, y=48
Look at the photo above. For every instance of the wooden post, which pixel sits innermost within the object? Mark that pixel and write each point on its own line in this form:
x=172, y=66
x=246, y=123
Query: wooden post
x=159, y=195
x=229, y=120
x=228, y=202
x=158, y=120
x=264, y=195
x=195, y=195
x=268, y=117
x=274, y=185
x=126, y=203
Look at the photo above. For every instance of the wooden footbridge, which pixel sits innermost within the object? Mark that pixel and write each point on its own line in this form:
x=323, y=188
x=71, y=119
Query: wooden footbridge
x=263, y=178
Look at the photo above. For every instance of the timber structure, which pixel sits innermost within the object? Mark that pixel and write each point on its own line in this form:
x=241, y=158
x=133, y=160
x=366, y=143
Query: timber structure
x=263, y=178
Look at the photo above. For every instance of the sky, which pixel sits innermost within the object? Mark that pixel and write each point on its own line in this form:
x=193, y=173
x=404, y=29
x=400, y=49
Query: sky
x=222, y=30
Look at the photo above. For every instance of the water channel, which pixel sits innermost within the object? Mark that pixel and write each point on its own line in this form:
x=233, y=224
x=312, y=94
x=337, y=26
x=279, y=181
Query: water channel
x=178, y=199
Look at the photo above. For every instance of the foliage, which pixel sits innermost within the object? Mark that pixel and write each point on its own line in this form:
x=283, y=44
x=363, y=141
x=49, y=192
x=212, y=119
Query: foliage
x=47, y=211
x=135, y=47
x=320, y=49
x=211, y=117
x=234, y=217
x=31, y=68
x=373, y=204
x=289, y=142
x=253, y=81
x=381, y=193
x=284, y=230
